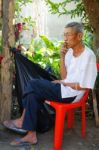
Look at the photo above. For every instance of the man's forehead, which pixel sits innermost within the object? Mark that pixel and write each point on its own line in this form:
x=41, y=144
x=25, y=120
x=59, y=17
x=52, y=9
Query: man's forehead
x=69, y=30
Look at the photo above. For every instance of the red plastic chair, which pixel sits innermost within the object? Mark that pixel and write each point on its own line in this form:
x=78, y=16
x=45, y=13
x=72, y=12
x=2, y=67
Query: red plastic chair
x=61, y=110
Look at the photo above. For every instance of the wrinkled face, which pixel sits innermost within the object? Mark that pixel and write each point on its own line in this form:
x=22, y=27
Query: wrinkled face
x=71, y=37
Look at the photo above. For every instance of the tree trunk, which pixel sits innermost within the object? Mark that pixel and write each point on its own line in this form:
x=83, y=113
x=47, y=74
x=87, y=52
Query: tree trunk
x=92, y=10
x=6, y=73
x=0, y=8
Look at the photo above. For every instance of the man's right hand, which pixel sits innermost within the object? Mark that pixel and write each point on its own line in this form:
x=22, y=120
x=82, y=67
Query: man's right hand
x=63, y=50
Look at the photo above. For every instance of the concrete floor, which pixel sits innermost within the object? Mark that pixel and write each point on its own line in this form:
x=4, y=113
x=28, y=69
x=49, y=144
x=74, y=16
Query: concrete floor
x=72, y=139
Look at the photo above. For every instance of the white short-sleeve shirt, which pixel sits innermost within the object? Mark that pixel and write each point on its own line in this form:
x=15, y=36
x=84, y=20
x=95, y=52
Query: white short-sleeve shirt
x=81, y=69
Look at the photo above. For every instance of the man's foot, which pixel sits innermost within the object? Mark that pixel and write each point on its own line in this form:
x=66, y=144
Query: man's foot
x=30, y=138
x=13, y=123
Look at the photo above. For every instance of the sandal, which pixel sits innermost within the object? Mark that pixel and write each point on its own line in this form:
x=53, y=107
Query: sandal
x=19, y=142
x=10, y=124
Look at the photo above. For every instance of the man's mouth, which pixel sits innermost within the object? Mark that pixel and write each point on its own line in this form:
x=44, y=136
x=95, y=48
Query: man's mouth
x=67, y=45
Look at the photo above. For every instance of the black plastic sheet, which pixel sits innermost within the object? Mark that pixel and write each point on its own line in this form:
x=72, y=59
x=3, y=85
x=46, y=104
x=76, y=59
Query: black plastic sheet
x=27, y=70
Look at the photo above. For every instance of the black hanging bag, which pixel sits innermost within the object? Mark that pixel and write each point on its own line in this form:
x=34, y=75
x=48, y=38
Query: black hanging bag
x=25, y=71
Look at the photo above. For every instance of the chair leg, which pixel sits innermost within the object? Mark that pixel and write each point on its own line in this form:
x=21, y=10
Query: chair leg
x=83, y=121
x=70, y=118
x=59, y=128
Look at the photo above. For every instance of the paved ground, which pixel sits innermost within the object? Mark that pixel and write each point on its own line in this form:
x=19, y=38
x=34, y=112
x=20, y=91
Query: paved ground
x=72, y=139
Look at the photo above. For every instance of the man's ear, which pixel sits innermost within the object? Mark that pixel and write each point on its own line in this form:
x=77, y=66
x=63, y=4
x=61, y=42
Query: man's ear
x=80, y=35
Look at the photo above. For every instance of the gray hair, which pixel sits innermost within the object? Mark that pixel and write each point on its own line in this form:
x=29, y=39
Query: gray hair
x=78, y=27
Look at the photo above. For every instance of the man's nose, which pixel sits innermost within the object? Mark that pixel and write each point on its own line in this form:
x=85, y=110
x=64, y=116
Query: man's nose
x=65, y=38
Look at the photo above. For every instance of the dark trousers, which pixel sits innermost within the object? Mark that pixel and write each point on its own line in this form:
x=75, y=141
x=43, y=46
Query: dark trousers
x=38, y=92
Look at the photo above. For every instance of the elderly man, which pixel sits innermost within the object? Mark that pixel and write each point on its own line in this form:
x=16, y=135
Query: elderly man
x=78, y=73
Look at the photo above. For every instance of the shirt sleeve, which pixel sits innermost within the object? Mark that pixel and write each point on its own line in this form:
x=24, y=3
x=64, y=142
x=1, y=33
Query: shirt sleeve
x=88, y=73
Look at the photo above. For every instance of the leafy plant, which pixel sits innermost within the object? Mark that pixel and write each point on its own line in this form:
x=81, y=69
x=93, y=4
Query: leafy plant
x=46, y=53
x=18, y=6
x=27, y=23
x=88, y=39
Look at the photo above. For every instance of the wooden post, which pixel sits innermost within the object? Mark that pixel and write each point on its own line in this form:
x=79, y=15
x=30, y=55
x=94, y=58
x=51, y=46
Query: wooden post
x=6, y=65
x=95, y=108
